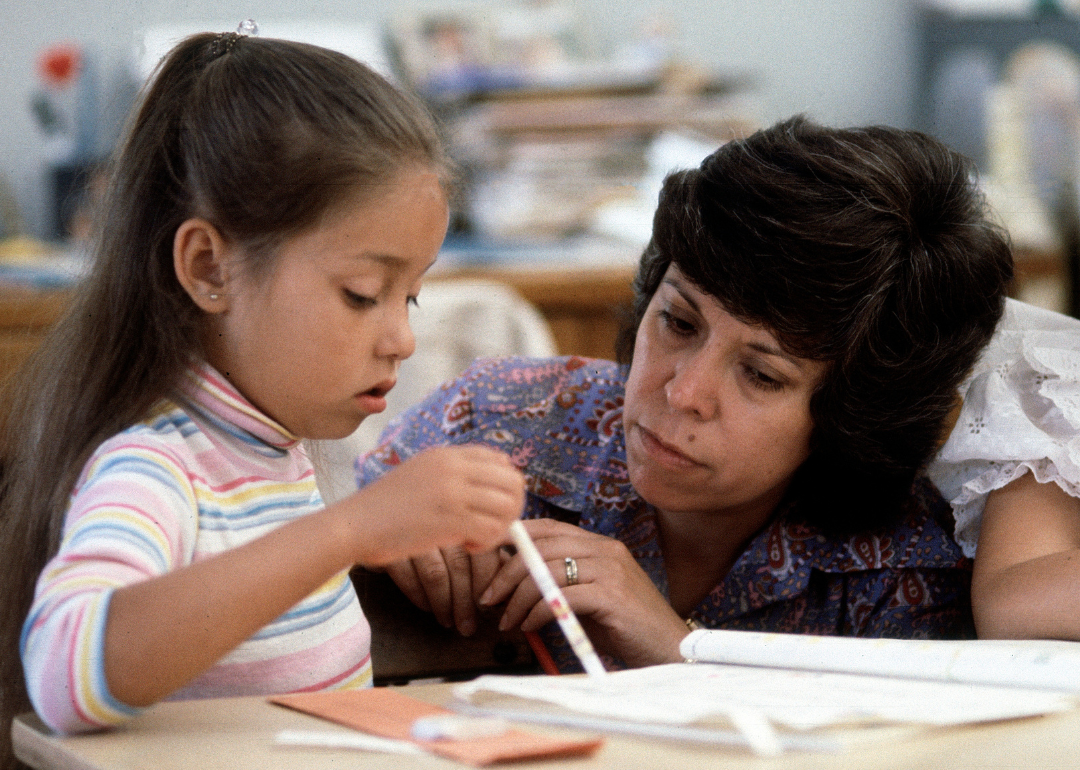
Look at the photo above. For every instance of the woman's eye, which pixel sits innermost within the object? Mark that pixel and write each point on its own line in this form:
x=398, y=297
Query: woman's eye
x=358, y=300
x=761, y=380
x=679, y=326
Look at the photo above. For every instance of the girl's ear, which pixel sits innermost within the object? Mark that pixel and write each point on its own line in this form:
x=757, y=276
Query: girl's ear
x=201, y=258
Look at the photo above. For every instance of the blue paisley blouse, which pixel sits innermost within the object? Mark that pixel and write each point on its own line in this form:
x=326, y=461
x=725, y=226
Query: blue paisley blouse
x=560, y=419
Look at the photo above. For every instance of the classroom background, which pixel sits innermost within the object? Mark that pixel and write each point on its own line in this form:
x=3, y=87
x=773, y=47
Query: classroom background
x=564, y=117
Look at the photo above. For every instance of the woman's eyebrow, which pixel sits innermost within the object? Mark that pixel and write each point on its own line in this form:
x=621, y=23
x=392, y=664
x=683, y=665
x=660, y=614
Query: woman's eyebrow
x=761, y=347
x=772, y=350
x=677, y=285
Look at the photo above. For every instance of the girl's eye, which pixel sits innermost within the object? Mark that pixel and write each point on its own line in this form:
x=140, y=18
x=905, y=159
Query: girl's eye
x=760, y=380
x=358, y=300
x=676, y=325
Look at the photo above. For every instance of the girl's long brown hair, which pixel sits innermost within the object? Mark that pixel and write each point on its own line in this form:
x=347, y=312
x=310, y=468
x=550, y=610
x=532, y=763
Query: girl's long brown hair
x=259, y=136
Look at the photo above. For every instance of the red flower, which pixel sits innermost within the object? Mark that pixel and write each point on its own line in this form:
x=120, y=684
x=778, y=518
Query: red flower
x=59, y=64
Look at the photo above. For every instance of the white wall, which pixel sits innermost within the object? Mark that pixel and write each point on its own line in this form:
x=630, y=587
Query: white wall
x=840, y=61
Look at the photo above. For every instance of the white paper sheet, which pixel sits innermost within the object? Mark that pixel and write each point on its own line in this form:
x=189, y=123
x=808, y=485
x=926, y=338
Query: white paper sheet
x=1047, y=665
x=711, y=694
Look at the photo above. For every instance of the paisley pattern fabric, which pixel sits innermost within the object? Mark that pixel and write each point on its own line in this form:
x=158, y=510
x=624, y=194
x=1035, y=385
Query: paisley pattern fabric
x=560, y=419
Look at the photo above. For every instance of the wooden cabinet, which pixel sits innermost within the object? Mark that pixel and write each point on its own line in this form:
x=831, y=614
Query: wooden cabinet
x=585, y=309
x=25, y=317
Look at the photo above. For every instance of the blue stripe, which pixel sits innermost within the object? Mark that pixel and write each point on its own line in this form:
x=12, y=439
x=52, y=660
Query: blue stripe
x=100, y=688
x=115, y=531
x=142, y=466
x=218, y=519
x=303, y=617
x=249, y=439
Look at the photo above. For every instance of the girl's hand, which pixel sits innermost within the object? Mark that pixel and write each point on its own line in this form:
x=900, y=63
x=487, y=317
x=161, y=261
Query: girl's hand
x=442, y=497
x=447, y=583
x=618, y=604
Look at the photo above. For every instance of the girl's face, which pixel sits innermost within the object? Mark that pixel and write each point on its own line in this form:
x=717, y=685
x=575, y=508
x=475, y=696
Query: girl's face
x=316, y=343
x=717, y=415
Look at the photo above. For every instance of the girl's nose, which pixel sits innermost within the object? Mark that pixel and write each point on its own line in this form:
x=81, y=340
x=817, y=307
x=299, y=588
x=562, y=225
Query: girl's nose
x=694, y=388
x=397, y=340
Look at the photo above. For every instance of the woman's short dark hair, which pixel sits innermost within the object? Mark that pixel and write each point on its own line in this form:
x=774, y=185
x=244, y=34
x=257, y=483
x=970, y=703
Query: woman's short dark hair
x=870, y=249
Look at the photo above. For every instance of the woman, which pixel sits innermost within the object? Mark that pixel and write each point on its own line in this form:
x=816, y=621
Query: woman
x=809, y=302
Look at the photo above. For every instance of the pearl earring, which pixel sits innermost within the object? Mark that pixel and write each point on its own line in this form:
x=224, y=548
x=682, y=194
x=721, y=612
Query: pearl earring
x=214, y=296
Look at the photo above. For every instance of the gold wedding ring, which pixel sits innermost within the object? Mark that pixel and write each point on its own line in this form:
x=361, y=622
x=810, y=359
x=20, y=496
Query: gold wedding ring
x=571, y=571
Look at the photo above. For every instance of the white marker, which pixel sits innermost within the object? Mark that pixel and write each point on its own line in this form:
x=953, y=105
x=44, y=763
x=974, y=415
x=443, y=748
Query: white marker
x=568, y=621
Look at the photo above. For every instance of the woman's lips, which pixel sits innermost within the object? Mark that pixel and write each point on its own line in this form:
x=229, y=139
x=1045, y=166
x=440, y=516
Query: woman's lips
x=663, y=453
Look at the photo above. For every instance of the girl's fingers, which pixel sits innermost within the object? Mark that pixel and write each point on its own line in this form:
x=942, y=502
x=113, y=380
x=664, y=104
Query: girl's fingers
x=488, y=467
x=497, y=504
x=484, y=533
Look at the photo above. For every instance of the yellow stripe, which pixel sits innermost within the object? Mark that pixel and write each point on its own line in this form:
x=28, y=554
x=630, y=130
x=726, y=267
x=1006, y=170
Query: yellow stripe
x=363, y=678
x=331, y=586
x=255, y=490
x=127, y=518
x=88, y=700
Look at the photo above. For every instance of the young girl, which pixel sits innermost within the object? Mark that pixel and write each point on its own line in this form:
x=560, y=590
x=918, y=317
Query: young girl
x=269, y=220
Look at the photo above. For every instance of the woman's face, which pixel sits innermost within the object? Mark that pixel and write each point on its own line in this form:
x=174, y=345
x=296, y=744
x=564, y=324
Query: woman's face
x=717, y=415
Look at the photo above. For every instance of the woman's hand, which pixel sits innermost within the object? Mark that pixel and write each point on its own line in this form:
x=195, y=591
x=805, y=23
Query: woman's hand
x=444, y=497
x=447, y=583
x=618, y=604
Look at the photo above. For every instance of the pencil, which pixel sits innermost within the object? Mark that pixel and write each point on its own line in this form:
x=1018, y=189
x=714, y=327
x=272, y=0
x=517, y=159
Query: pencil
x=568, y=621
x=543, y=657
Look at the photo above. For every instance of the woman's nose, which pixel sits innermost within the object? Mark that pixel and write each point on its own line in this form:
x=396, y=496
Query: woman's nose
x=693, y=388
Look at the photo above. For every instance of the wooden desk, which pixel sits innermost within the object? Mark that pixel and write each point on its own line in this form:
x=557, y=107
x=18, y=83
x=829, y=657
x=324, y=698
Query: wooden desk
x=239, y=732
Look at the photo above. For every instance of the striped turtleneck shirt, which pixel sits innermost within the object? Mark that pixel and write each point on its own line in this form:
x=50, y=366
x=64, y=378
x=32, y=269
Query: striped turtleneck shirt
x=200, y=475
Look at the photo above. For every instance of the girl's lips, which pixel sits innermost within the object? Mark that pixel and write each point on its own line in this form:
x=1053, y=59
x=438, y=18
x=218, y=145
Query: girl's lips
x=373, y=400
x=664, y=453
x=371, y=403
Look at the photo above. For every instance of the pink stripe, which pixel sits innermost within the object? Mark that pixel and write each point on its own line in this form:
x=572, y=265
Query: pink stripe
x=327, y=684
x=289, y=673
x=233, y=484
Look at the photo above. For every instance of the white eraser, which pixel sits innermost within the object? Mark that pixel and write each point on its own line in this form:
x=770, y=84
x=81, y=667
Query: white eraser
x=456, y=727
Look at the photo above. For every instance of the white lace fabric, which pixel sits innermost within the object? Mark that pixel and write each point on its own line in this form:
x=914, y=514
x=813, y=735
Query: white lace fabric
x=1021, y=413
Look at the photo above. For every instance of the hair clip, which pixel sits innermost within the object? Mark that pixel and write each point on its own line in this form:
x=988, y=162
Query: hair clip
x=225, y=41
